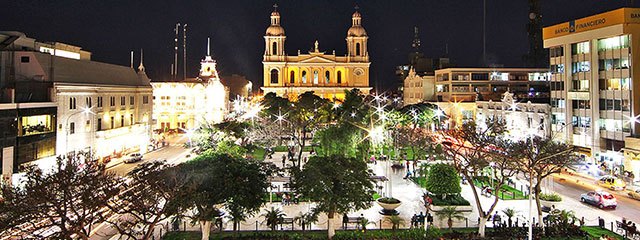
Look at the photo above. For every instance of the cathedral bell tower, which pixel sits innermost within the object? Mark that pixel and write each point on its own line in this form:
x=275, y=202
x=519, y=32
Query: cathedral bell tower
x=274, y=38
x=357, y=39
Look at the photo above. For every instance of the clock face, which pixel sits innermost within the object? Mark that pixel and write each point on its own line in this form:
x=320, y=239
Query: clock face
x=358, y=72
x=532, y=16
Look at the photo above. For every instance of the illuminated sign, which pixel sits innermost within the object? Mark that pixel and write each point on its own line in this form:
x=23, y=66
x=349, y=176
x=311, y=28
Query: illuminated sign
x=615, y=17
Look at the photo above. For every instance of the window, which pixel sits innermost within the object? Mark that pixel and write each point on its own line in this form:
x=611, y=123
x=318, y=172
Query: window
x=617, y=42
x=112, y=101
x=72, y=128
x=274, y=76
x=612, y=104
x=559, y=68
x=99, y=124
x=557, y=103
x=131, y=119
x=292, y=77
x=479, y=76
x=315, y=77
x=24, y=59
x=357, y=49
x=583, y=66
x=274, y=48
x=121, y=120
x=327, y=77
x=122, y=101
x=557, y=86
x=72, y=103
x=556, y=51
x=88, y=102
x=615, y=84
x=581, y=104
x=112, y=123
x=304, y=76
x=145, y=99
x=131, y=100
x=580, y=48
x=339, y=77
x=99, y=101
x=580, y=85
x=584, y=122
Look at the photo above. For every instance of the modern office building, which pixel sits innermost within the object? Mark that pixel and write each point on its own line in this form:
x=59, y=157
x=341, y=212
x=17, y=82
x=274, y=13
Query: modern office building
x=65, y=102
x=326, y=74
x=186, y=104
x=594, y=104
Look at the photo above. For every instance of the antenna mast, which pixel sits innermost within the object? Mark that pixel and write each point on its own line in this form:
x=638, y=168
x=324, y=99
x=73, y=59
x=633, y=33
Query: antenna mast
x=174, y=69
x=184, y=52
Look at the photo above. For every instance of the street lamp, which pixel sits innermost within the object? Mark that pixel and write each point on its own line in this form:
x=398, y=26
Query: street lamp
x=85, y=110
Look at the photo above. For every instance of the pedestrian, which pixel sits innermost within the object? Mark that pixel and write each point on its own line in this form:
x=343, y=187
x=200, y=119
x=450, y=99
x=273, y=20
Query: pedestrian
x=429, y=219
x=305, y=159
x=345, y=220
x=407, y=163
x=284, y=159
x=415, y=165
x=421, y=218
x=414, y=220
x=408, y=174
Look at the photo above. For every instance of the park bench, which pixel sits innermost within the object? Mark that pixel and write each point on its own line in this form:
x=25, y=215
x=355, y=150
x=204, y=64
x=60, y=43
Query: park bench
x=355, y=220
x=287, y=221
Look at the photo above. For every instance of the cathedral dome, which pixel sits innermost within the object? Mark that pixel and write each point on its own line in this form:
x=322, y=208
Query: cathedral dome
x=275, y=30
x=356, y=31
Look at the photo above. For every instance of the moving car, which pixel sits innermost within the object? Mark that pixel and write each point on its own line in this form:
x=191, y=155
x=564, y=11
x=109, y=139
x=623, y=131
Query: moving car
x=601, y=199
x=635, y=194
x=612, y=183
x=134, y=157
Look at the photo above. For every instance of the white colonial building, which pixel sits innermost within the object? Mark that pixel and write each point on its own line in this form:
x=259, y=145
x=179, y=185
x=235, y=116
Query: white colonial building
x=101, y=107
x=522, y=119
x=188, y=103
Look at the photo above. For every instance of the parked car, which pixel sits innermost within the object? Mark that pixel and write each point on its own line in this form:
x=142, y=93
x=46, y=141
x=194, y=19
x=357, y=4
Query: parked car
x=601, y=199
x=635, y=194
x=612, y=183
x=134, y=157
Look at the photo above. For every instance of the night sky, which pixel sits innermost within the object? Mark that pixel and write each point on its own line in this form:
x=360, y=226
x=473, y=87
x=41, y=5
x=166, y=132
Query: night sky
x=110, y=29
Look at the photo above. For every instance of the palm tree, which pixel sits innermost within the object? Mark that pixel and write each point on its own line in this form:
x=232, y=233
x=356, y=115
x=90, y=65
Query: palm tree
x=510, y=213
x=395, y=221
x=450, y=213
x=364, y=222
x=273, y=217
x=306, y=219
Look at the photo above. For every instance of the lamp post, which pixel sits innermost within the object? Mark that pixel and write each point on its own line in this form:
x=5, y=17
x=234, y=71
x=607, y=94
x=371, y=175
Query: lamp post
x=68, y=127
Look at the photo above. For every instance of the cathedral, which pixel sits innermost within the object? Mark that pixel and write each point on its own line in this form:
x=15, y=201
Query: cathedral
x=326, y=74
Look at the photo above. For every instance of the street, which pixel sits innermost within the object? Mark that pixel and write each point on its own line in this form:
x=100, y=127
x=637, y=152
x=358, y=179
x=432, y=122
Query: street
x=174, y=153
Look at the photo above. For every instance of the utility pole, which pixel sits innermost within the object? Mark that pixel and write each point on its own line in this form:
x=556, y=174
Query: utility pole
x=174, y=69
x=184, y=52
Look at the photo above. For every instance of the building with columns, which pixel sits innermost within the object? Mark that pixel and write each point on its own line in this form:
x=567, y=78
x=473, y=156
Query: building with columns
x=185, y=104
x=326, y=74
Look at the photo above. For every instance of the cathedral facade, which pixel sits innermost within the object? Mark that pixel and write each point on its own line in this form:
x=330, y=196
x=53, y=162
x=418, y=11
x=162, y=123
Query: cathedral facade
x=326, y=74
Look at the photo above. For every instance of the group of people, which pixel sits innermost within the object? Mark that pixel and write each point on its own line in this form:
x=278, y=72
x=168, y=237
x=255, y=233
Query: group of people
x=629, y=227
x=418, y=220
x=287, y=199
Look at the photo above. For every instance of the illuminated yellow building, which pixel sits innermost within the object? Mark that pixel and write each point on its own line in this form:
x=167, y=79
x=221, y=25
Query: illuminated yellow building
x=188, y=103
x=326, y=74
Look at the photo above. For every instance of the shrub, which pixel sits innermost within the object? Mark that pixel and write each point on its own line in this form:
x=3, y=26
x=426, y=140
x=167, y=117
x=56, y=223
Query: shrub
x=551, y=197
x=443, y=179
x=388, y=200
x=450, y=200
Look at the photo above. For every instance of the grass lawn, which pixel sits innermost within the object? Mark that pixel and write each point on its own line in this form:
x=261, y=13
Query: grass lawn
x=285, y=148
x=596, y=232
x=258, y=153
x=506, y=192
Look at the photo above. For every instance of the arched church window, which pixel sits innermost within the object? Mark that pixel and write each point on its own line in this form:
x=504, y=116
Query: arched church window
x=274, y=49
x=339, y=77
x=357, y=49
x=327, y=77
x=274, y=76
x=315, y=77
x=292, y=77
x=304, y=76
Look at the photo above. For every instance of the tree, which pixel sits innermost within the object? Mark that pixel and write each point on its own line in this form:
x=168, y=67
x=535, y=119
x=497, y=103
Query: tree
x=273, y=218
x=414, y=131
x=541, y=157
x=222, y=180
x=472, y=149
x=443, y=180
x=395, y=221
x=306, y=219
x=66, y=199
x=450, y=213
x=148, y=199
x=339, y=184
x=510, y=213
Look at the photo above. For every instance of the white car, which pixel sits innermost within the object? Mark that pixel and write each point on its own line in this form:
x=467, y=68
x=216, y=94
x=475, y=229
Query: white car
x=601, y=199
x=134, y=157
